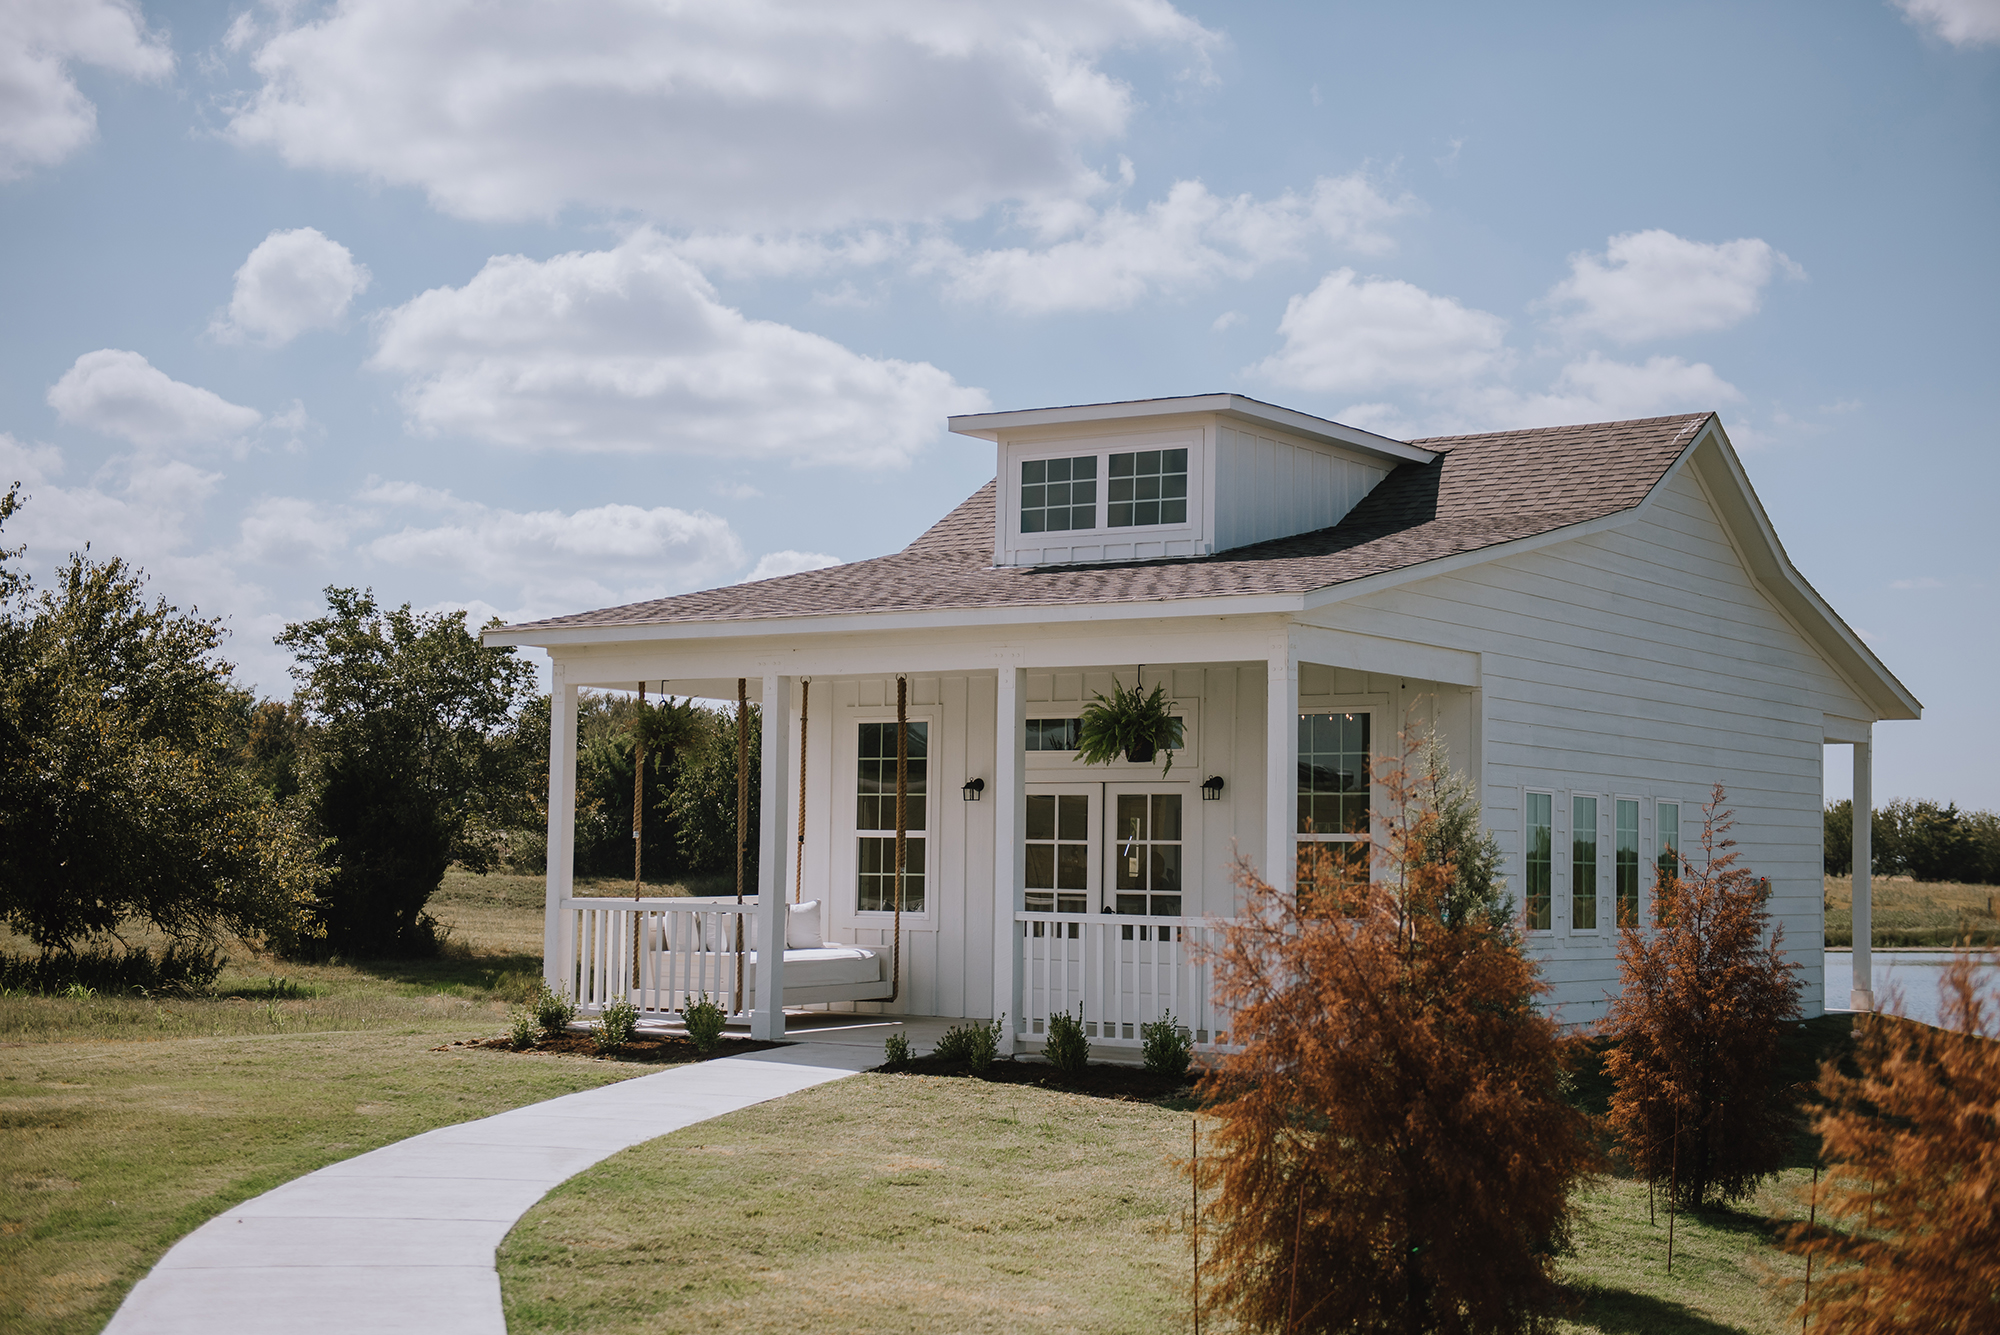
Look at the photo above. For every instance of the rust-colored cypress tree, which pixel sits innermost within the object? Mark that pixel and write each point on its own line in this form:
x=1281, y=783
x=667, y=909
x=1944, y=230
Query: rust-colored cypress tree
x=1707, y=993
x=1908, y=1230
x=1390, y=1150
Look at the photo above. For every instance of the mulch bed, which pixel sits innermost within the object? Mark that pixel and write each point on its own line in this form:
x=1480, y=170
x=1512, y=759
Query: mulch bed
x=1102, y=1080
x=657, y=1050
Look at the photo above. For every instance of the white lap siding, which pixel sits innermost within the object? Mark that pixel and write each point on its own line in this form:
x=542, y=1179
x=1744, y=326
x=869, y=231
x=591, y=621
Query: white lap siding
x=1639, y=661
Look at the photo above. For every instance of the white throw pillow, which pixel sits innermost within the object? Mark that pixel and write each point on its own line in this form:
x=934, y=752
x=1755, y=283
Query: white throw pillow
x=802, y=927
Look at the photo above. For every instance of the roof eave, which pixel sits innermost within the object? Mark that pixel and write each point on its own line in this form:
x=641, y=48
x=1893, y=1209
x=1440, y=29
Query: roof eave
x=990, y=426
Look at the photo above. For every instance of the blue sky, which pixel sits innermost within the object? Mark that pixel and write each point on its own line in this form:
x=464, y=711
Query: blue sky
x=529, y=308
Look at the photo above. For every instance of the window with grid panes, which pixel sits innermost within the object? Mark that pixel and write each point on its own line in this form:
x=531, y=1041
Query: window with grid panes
x=1147, y=487
x=1626, y=862
x=1583, y=863
x=1669, y=828
x=1539, y=860
x=1058, y=495
x=1052, y=734
x=1058, y=853
x=1333, y=776
x=875, y=812
x=1148, y=854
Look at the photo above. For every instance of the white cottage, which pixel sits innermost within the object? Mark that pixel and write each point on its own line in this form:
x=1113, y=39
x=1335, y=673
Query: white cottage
x=1598, y=619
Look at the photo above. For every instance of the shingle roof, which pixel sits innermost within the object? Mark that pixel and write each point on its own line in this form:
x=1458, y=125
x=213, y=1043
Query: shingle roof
x=1481, y=491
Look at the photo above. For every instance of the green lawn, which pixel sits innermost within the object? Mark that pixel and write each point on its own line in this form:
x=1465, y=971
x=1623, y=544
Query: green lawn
x=921, y=1203
x=126, y=1122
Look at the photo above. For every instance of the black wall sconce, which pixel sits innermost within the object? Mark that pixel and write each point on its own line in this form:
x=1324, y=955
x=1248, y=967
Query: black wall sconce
x=1211, y=791
x=973, y=788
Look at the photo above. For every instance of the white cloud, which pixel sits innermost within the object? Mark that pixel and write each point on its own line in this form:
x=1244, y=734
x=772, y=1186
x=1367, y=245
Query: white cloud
x=552, y=561
x=1595, y=388
x=293, y=281
x=1654, y=284
x=44, y=117
x=122, y=394
x=288, y=531
x=1960, y=22
x=1920, y=582
x=1189, y=238
x=629, y=350
x=757, y=114
x=1362, y=335
x=744, y=255
x=773, y=564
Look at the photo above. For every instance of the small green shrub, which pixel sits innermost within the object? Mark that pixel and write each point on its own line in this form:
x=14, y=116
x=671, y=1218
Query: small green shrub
x=616, y=1024
x=1168, y=1047
x=553, y=1011
x=523, y=1029
x=79, y=992
x=973, y=1044
x=704, y=1020
x=1066, y=1048
x=896, y=1051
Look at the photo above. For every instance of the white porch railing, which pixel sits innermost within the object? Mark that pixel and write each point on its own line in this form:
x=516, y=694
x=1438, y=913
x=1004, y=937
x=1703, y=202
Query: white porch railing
x=1121, y=971
x=699, y=957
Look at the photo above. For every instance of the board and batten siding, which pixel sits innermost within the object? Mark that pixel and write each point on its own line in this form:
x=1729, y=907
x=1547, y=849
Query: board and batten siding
x=1640, y=661
x=1274, y=486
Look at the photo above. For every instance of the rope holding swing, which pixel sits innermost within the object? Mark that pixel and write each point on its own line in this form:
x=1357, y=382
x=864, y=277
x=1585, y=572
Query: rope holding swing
x=742, y=811
x=805, y=717
x=902, y=830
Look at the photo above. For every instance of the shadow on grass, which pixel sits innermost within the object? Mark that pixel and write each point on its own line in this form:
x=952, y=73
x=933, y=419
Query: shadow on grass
x=510, y=977
x=1621, y=1312
x=1800, y=1052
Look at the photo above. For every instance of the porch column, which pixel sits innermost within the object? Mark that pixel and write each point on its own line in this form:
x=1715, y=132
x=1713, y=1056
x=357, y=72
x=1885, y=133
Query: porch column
x=1864, y=855
x=558, y=924
x=1010, y=830
x=1281, y=765
x=767, y=1020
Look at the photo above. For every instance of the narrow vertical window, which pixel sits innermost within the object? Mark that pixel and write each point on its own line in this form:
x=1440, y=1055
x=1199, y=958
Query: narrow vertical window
x=1058, y=495
x=1628, y=862
x=1058, y=853
x=1583, y=863
x=1670, y=840
x=1148, y=855
x=1540, y=861
x=1147, y=487
x=875, y=817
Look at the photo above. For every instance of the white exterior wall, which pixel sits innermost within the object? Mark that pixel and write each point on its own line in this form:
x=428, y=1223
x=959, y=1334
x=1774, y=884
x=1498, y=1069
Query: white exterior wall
x=1269, y=485
x=1641, y=661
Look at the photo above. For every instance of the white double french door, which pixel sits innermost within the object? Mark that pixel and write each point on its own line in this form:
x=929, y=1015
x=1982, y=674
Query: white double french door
x=1120, y=848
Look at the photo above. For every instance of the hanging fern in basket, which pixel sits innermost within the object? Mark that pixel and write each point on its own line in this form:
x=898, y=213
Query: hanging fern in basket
x=1129, y=723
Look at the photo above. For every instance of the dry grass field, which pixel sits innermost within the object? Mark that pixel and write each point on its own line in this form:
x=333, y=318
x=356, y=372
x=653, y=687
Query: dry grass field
x=1914, y=913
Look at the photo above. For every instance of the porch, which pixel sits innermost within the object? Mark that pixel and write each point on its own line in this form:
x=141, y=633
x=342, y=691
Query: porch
x=1036, y=884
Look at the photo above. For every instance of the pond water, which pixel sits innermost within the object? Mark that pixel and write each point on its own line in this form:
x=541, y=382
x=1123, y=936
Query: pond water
x=1908, y=982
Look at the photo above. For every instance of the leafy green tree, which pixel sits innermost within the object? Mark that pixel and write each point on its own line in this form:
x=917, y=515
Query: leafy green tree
x=1456, y=837
x=406, y=763
x=120, y=793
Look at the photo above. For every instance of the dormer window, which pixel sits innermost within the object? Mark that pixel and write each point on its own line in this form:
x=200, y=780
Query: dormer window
x=1058, y=495
x=1148, y=487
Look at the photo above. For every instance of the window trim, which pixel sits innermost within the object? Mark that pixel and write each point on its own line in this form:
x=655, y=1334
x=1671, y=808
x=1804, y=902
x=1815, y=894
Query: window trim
x=1371, y=705
x=844, y=845
x=1597, y=846
x=1094, y=872
x=1196, y=441
x=1680, y=836
x=1045, y=766
x=1097, y=511
x=1555, y=827
x=1187, y=495
x=1640, y=891
x=1193, y=873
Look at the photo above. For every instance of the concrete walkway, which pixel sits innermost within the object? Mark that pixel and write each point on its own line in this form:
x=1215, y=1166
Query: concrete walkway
x=403, y=1238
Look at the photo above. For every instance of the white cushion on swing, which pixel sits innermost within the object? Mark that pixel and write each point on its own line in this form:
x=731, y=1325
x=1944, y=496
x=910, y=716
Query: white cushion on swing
x=825, y=966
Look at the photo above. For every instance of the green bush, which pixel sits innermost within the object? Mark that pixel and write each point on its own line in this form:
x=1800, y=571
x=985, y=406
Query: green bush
x=553, y=1011
x=704, y=1020
x=1168, y=1047
x=523, y=1028
x=616, y=1024
x=973, y=1044
x=896, y=1051
x=178, y=971
x=1066, y=1048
